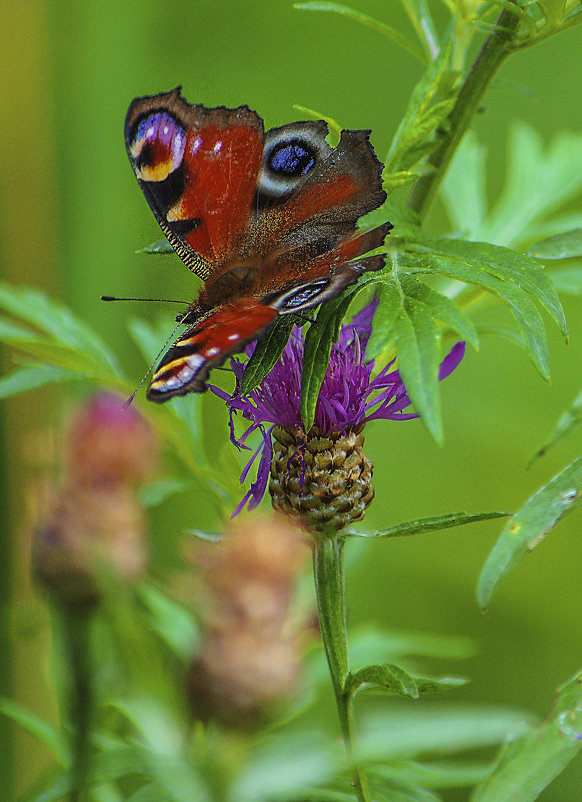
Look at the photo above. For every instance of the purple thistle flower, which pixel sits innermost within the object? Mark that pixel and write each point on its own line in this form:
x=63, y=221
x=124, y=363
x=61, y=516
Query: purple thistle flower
x=349, y=396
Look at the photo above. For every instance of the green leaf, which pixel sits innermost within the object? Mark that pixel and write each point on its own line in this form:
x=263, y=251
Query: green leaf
x=317, y=349
x=499, y=271
x=283, y=767
x=507, y=265
x=54, y=319
x=405, y=220
x=364, y=19
x=267, y=353
x=434, y=524
x=538, y=182
x=31, y=378
x=38, y=728
x=560, y=246
x=161, y=246
x=395, y=681
x=568, y=279
x=527, y=765
x=171, y=621
x=567, y=425
x=335, y=129
x=464, y=190
x=418, y=117
x=528, y=527
x=408, y=324
x=154, y=493
x=406, y=733
x=437, y=773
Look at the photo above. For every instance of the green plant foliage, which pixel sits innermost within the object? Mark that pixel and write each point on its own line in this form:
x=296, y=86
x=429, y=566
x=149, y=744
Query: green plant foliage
x=529, y=526
x=526, y=765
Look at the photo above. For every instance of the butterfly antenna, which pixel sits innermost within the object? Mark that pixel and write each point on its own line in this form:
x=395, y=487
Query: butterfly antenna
x=152, y=366
x=156, y=300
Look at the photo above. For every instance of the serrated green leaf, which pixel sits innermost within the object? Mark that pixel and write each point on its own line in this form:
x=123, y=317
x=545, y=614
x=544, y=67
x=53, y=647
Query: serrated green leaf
x=31, y=378
x=505, y=264
x=363, y=19
x=161, y=246
x=433, y=524
x=560, y=246
x=442, y=308
x=529, y=526
x=267, y=353
x=527, y=765
x=568, y=279
x=568, y=423
x=525, y=312
x=406, y=322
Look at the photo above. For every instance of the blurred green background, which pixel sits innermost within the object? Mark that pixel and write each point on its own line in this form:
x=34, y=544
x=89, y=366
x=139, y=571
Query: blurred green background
x=73, y=217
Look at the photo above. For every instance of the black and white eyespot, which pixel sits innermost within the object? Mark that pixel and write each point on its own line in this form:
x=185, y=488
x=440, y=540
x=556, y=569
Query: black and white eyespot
x=291, y=153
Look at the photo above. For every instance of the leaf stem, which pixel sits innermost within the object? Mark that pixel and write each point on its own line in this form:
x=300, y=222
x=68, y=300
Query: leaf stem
x=329, y=575
x=492, y=55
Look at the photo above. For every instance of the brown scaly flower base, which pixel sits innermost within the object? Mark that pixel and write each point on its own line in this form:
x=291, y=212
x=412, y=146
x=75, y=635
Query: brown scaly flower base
x=337, y=483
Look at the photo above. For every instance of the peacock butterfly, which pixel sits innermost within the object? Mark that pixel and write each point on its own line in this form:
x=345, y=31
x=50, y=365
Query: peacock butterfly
x=266, y=219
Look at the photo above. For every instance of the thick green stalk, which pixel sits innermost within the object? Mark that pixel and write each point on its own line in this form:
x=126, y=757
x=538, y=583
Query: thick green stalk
x=492, y=55
x=328, y=570
x=76, y=624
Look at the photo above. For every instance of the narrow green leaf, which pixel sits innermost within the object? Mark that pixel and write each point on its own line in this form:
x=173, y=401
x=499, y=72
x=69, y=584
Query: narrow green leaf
x=31, y=378
x=434, y=524
x=38, y=728
x=406, y=733
x=528, y=527
x=527, y=765
x=364, y=19
x=568, y=279
x=560, y=246
x=207, y=537
x=335, y=129
x=161, y=246
x=395, y=681
x=318, y=342
x=56, y=320
x=173, y=623
x=422, y=96
x=154, y=493
x=567, y=425
x=464, y=189
x=405, y=220
x=267, y=352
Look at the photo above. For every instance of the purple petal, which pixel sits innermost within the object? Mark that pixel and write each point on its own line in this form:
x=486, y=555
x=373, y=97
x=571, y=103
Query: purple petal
x=451, y=360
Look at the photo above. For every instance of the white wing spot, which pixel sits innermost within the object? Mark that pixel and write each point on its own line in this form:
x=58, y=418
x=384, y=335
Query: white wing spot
x=218, y=147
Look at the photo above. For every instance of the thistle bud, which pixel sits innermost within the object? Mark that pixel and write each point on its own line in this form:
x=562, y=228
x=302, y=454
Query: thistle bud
x=250, y=656
x=93, y=525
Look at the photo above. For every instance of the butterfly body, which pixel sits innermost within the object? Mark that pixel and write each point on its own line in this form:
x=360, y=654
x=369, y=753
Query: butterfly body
x=267, y=220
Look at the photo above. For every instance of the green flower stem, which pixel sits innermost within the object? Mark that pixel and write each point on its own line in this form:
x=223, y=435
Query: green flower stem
x=328, y=569
x=76, y=626
x=492, y=55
